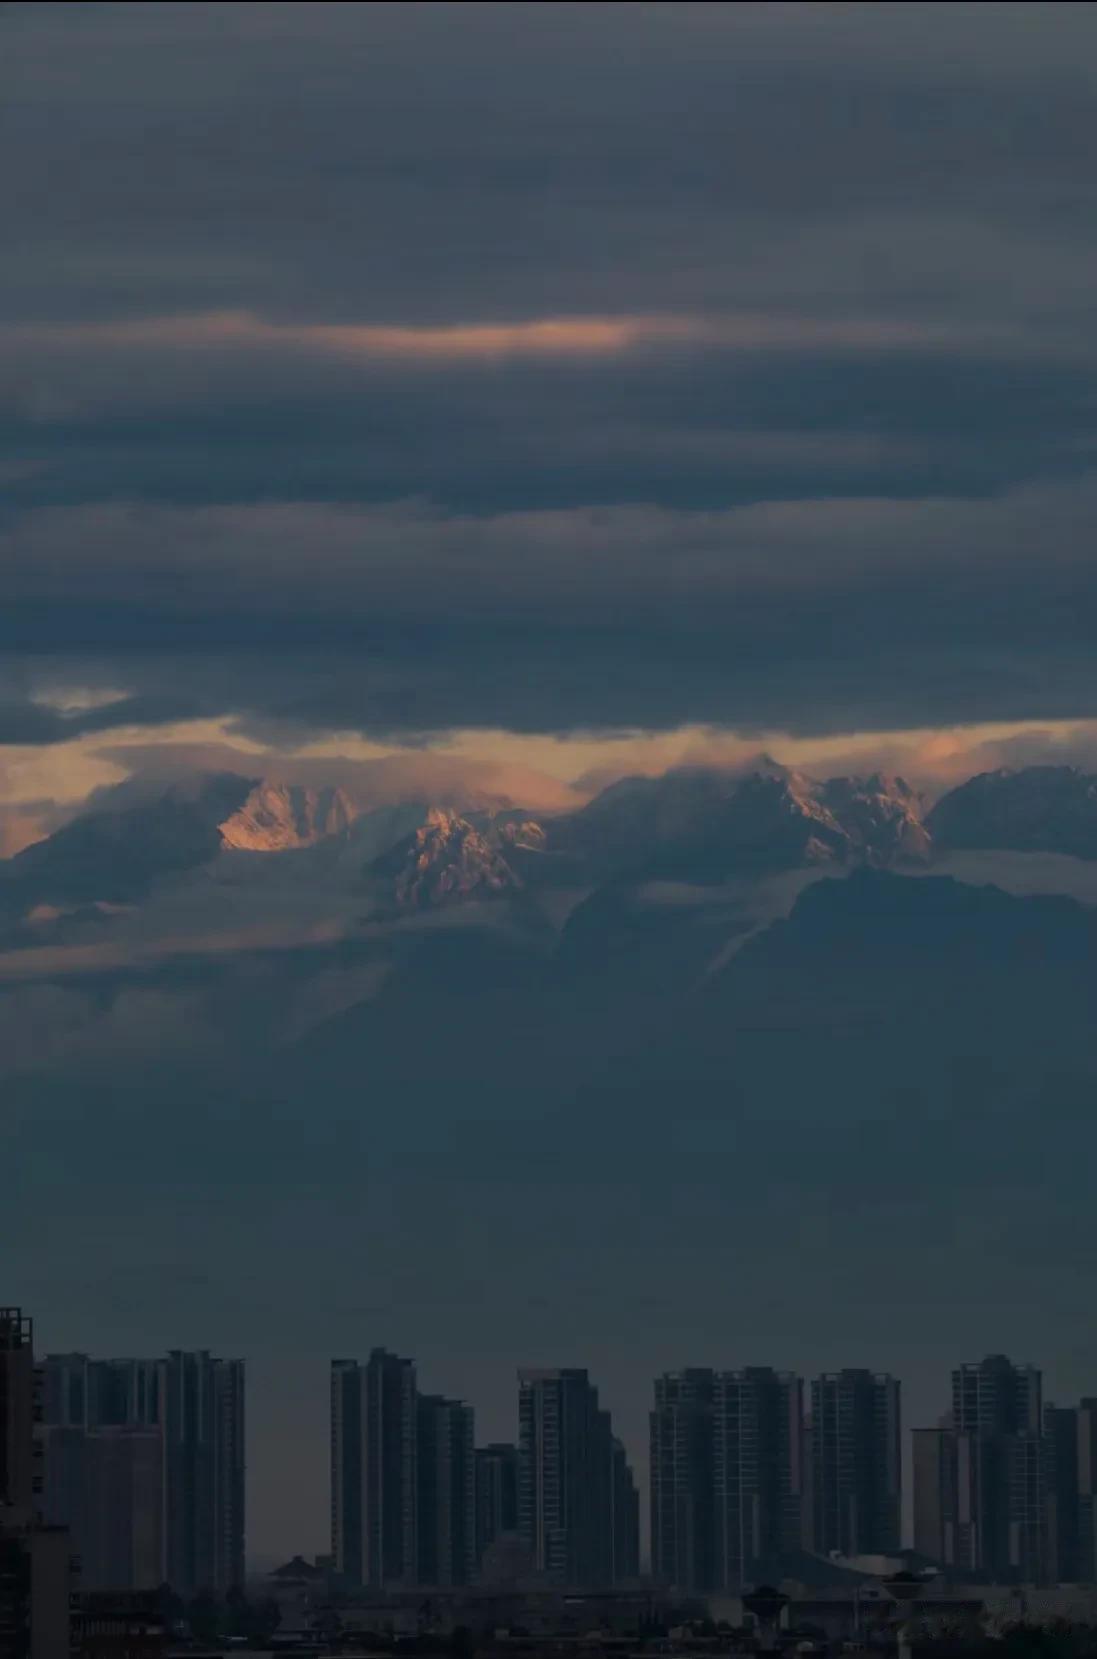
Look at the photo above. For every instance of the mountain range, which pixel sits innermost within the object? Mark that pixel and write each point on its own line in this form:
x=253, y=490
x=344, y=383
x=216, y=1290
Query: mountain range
x=694, y=825
x=706, y=943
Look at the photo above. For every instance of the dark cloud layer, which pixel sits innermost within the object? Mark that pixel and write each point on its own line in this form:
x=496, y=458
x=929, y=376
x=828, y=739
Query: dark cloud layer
x=413, y=366
x=807, y=616
x=544, y=367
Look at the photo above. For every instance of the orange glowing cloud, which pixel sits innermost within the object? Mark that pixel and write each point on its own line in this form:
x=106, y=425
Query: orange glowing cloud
x=534, y=338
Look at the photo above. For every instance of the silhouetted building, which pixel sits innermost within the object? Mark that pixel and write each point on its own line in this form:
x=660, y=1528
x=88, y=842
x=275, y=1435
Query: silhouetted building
x=20, y=1469
x=985, y=1480
x=126, y=1393
x=1029, y=1477
x=80, y=1392
x=201, y=1402
x=1087, y=1491
x=937, y=1471
x=104, y=1474
x=446, y=1502
x=35, y=1577
x=35, y=1591
x=106, y=1485
x=994, y=1402
x=625, y=1517
x=496, y=1494
x=682, y=1543
x=374, y=1481
x=65, y=1389
x=757, y=1472
x=1071, y=1435
x=856, y=1463
x=145, y=1465
x=565, y=1477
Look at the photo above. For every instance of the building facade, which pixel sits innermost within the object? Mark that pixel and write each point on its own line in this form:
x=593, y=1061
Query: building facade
x=996, y=1483
x=997, y=1411
x=145, y=1464
x=1070, y=1435
x=201, y=1403
x=567, y=1475
x=624, y=1518
x=20, y=1452
x=35, y=1558
x=446, y=1499
x=374, y=1470
x=1086, y=1449
x=681, y=1465
x=856, y=1463
x=496, y=1495
x=758, y=1444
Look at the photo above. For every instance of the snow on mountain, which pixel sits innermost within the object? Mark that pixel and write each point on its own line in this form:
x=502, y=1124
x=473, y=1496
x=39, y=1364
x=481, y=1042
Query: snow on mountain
x=881, y=815
x=706, y=823
x=276, y=817
x=695, y=825
x=445, y=860
x=1048, y=809
x=116, y=854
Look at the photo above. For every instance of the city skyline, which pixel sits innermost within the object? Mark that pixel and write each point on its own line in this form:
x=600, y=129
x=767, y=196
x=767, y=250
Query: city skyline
x=115, y=1396
x=548, y=718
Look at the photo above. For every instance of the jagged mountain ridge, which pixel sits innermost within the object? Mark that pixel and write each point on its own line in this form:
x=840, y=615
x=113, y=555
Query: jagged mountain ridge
x=445, y=860
x=1034, y=809
x=698, y=825
x=276, y=817
x=707, y=824
x=117, y=853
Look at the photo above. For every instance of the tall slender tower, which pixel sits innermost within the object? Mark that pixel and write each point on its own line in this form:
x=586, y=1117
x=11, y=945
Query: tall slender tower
x=565, y=1477
x=20, y=1473
x=374, y=1474
x=446, y=1491
x=758, y=1473
x=202, y=1421
x=997, y=1419
x=682, y=1543
x=1087, y=1490
x=35, y=1578
x=857, y=1466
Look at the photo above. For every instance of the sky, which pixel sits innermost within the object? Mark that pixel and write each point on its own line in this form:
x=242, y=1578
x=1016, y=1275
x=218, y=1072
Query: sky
x=532, y=395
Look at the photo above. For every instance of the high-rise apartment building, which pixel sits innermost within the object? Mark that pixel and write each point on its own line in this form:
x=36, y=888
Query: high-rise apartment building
x=145, y=1465
x=856, y=1463
x=993, y=1397
x=757, y=1473
x=80, y=1392
x=106, y=1485
x=624, y=1517
x=681, y=1465
x=20, y=1469
x=446, y=1499
x=566, y=1479
x=940, y=1488
x=202, y=1423
x=35, y=1578
x=996, y=1404
x=374, y=1475
x=496, y=1494
x=1087, y=1490
x=985, y=1478
x=1029, y=1482
x=1071, y=1436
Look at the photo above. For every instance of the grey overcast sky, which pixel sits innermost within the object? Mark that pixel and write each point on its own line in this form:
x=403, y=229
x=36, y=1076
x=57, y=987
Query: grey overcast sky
x=547, y=391
x=678, y=364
